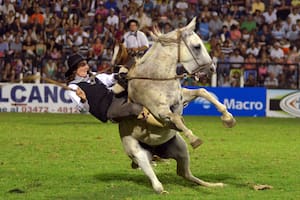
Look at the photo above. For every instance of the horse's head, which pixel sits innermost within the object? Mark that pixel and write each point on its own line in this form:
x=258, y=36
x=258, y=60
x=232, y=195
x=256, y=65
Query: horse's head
x=191, y=51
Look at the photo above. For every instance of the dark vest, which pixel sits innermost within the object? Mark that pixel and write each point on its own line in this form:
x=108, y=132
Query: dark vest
x=99, y=98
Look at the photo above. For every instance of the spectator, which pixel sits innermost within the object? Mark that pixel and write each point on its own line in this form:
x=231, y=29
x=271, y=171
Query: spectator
x=143, y=19
x=37, y=17
x=276, y=53
x=250, y=80
x=135, y=41
x=97, y=48
x=179, y=21
x=111, y=4
x=16, y=46
x=181, y=6
x=29, y=47
x=101, y=10
x=249, y=24
x=203, y=29
x=148, y=6
x=84, y=48
x=112, y=19
x=7, y=7
x=4, y=47
x=278, y=32
x=294, y=15
x=235, y=71
x=227, y=47
x=271, y=81
x=270, y=15
x=205, y=13
x=215, y=24
x=224, y=34
x=235, y=34
x=293, y=34
x=50, y=69
x=24, y=19
x=84, y=7
x=257, y=5
x=229, y=21
x=253, y=49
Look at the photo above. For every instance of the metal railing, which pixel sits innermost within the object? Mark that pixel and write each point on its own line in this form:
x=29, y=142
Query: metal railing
x=269, y=75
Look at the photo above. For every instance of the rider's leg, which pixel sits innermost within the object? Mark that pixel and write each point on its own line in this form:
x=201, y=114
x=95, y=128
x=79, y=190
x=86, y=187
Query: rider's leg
x=121, y=108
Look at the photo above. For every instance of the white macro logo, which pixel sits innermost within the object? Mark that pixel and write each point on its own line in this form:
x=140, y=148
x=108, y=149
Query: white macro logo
x=205, y=103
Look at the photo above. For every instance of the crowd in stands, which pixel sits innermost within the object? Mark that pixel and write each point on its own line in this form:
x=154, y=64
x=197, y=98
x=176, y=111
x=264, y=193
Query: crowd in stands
x=253, y=41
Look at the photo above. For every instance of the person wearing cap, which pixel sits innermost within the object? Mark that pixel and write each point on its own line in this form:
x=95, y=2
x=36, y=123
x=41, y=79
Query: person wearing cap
x=94, y=94
x=135, y=41
x=112, y=19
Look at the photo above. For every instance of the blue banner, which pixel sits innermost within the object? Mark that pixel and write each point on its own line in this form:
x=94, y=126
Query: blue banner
x=239, y=102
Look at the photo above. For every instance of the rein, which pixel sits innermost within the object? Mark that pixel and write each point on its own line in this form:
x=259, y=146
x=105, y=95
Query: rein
x=160, y=79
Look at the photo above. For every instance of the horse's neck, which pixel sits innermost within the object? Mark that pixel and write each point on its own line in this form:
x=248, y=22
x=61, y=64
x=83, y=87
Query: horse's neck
x=159, y=61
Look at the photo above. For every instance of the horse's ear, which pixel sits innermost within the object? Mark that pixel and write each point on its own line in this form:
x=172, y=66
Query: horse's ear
x=191, y=25
x=156, y=30
x=153, y=35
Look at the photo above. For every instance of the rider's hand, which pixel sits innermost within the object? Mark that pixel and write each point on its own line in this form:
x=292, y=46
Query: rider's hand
x=81, y=94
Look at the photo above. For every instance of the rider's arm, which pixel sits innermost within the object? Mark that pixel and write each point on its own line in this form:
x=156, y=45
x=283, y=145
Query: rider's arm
x=107, y=79
x=81, y=104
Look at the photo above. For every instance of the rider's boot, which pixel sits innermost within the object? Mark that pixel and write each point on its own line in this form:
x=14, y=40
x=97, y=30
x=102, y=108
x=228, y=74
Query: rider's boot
x=149, y=118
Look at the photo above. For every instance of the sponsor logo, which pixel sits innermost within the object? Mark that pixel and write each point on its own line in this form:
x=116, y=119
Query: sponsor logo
x=291, y=104
x=205, y=103
x=33, y=94
x=243, y=105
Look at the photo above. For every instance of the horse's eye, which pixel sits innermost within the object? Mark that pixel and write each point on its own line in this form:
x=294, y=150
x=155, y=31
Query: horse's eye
x=197, y=47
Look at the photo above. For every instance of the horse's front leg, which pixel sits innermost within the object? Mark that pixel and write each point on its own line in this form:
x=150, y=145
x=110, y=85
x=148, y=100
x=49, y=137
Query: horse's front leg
x=191, y=94
x=140, y=156
x=177, y=121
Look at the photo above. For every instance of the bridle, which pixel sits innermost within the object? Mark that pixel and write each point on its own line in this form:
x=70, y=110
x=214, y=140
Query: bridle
x=178, y=42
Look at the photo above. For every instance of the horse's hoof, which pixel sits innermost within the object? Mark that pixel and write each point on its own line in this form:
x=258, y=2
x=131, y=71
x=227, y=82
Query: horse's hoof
x=134, y=165
x=196, y=143
x=228, y=121
x=164, y=192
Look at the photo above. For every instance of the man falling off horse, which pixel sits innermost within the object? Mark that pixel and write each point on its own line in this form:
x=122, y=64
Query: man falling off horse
x=93, y=93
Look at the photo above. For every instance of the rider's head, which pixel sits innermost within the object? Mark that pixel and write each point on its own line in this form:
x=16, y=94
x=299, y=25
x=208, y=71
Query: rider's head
x=77, y=65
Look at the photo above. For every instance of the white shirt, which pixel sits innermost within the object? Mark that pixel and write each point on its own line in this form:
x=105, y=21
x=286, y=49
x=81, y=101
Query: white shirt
x=270, y=18
x=294, y=17
x=106, y=79
x=135, y=40
x=113, y=20
x=276, y=53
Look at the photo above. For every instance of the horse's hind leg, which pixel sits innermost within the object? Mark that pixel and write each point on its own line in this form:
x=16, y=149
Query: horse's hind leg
x=191, y=94
x=140, y=156
x=177, y=150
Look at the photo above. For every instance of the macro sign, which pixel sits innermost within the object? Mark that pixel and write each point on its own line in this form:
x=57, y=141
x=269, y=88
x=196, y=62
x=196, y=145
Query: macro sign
x=239, y=102
x=283, y=103
x=39, y=98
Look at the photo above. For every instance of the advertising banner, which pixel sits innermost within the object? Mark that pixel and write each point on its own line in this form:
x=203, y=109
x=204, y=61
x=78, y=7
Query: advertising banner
x=283, y=103
x=35, y=98
x=239, y=101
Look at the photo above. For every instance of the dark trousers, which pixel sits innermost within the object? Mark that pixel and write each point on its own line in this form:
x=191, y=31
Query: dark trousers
x=120, y=109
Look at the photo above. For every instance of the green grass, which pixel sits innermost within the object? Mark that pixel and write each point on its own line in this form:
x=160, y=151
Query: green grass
x=60, y=156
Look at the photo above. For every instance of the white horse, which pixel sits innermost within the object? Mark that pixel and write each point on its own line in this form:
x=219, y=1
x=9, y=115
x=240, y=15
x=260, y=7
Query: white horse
x=153, y=82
